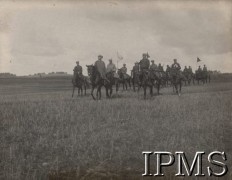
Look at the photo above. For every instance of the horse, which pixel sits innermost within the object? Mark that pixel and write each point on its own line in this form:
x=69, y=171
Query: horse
x=111, y=80
x=187, y=78
x=124, y=79
x=202, y=76
x=135, y=79
x=80, y=82
x=97, y=82
x=147, y=81
x=177, y=78
x=158, y=79
x=168, y=78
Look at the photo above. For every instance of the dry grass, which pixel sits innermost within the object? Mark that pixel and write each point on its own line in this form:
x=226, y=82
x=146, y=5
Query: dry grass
x=50, y=135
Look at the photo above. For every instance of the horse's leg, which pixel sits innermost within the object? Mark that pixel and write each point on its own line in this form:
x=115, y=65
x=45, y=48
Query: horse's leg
x=107, y=91
x=151, y=90
x=180, y=85
x=129, y=82
x=81, y=90
x=111, y=90
x=158, y=87
x=92, y=90
x=73, y=90
x=85, y=89
x=100, y=92
x=116, y=86
x=145, y=91
x=133, y=84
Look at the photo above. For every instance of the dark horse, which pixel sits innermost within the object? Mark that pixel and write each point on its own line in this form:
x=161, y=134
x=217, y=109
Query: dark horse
x=97, y=82
x=80, y=82
x=146, y=82
x=177, y=78
x=150, y=79
x=203, y=76
x=168, y=79
x=135, y=79
x=187, y=78
x=124, y=79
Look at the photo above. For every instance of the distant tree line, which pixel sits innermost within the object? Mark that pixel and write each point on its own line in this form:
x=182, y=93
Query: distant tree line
x=6, y=75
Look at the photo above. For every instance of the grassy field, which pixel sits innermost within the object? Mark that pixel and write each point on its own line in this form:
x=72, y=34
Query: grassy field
x=46, y=134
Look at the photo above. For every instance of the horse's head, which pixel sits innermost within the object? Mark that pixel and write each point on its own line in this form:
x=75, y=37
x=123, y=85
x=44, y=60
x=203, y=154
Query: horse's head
x=90, y=70
x=120, y=73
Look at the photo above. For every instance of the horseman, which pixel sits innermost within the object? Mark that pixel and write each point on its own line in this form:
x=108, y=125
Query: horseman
x=124, y=71
x=205, y=68
x=175, y=68
x=185, y=71
x=111, y=68
x=100, y=67
x=168, y=69
x=77, y=71
x=199, y=70
x=135, y=69
x=144, y=65
x=153, y=66
x=190, y=71
x=160, y=70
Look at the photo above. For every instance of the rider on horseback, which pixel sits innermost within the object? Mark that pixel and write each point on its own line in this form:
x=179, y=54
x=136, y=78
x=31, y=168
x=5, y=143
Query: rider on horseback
x=144, y=65
x=168, y=69
x=205, y=68
x=160, y=70
x=124, y=71
x=77, y=71
x=101, y=68
x=190, y=71
x=111, y=68
x=135, y=70
x=199, y=69
x=153, y=66
x=175, y=68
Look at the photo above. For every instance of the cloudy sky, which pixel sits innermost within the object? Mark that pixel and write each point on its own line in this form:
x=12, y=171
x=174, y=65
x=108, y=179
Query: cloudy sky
x=50, y=36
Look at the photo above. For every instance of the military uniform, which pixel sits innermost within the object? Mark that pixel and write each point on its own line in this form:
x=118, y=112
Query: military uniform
x=124, y=70
x=153, y=67
x=101, y=68
x=205, y=68
x=176, y=66
x=185, y=72
x=77, y=69
x=199, y=69
x=160, y=68
x=175, y=69
x=190, y=70
x=144, y=64
x=111, y=67
x=168, y=69
x=135, y=68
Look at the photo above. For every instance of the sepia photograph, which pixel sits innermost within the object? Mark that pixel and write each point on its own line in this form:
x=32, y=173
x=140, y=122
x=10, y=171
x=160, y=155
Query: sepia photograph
x=115, y=89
